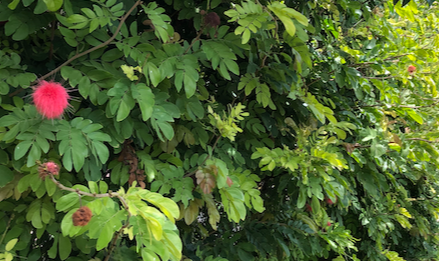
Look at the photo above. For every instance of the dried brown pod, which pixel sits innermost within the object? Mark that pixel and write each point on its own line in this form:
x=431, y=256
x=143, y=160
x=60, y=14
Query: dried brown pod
x=82, y=216
x=212, y=20
x=147, y=22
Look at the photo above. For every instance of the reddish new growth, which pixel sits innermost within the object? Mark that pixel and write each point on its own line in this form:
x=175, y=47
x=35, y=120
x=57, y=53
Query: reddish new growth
x=329, y=201
x=212, y=20
x=51, y=99
x=48, y=168
x=329, y=223
x=229, y=181
x=82, y=216
x=411, y=69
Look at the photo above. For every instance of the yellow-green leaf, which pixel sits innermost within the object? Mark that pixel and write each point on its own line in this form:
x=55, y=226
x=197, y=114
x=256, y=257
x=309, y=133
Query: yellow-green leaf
x=10, y=245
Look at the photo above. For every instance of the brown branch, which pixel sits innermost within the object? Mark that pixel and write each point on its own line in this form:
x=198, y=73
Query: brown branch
x=95, y=195
x=122, y=21
x=195, y=39
x=52, y=36
x=386, y=59
x=7, y=228
x=103, y=195
x=425, y=140
x=399, y=106
x=113, y=242
x=276, y=29
x=379, y=78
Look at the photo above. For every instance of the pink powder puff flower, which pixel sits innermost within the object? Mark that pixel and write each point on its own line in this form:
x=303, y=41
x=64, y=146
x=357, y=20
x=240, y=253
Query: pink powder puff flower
x=52, y=167
x=48, y=168
x=51, y=99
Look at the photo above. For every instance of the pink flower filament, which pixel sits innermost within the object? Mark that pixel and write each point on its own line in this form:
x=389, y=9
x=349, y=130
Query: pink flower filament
x=51, y=99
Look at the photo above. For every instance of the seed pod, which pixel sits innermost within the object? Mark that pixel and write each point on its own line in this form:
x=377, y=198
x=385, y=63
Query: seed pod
x=82, y=216
x=212, y=20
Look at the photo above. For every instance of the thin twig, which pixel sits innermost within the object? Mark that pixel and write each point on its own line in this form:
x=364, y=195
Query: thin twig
x=122, y=21
x=103, y=195
x=276, y=28
x=418, y=107
x=7, y=228
x=420, y=139
x=195, y=40
x=386, y=59
x=114, y=241
x=399, y=106
x=379, y=78
x=95, y=195
x=52, y=36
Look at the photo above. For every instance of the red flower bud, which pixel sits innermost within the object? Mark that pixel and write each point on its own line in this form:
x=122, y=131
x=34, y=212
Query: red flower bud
x=411, y=69
x=329, y=201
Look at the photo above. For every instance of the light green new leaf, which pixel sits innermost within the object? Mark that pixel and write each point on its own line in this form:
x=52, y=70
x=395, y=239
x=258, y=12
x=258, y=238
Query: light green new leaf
x=10, y=245
x=13, y=4
x=53, y=5
x=415, y=116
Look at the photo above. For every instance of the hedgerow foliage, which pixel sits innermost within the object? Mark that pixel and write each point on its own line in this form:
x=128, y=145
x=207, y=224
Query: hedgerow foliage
x=220, y=130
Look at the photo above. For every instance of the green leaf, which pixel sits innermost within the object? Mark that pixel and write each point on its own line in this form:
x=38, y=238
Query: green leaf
x=67, y=201
x=233, y=201
x=101, y=151
x=149, y=255
x=145, y=99
x=65, y=247
x=8, y=120
x=415, y=116
x=88, y=12
x=53, y=5
x=21, y=33
x=103, y=187
x=111, y=55
x=13, y=4
x=166, y=129
x=11, y=244
x=22, y=148
x=105, y=236
x=123, y=111
x=153, y=72
x=246, y=36
x=6, y=175
x=76, y=18
x=50, y=186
